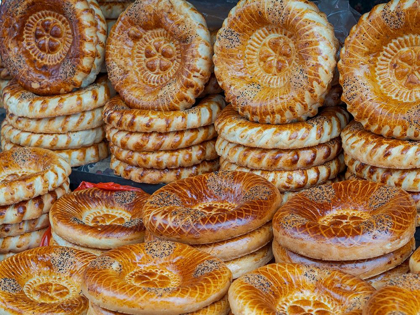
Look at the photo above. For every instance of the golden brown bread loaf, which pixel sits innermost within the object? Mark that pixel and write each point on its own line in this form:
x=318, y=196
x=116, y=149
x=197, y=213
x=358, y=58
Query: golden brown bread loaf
x=100, y=219
x=382, y=92
x=44, y=280
x=211, y=208
x=267, y=62
x=298, y=289
x=349, y=220
x=382, y=279
x=160, y=277
x=159, y=55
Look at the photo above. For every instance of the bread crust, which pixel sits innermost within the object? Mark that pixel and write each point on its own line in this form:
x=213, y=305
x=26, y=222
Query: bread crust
x=9, y=230
x=112, y=9
x=58, y=241
x=20, y=243
x=415, y=262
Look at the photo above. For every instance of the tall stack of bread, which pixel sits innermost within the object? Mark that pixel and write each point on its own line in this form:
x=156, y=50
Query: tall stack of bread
x=383, y=94
x=159, y=60
x=55, y=52
x=31, y=180
x=276, y=77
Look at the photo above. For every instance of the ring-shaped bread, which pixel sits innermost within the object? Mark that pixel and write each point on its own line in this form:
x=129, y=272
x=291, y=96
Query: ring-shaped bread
x=101, y=219
x=113, y=9
x=400, y=295
x=23, y=103
x=232, y=248
x=298, y=289
x=32, y=208
x=10, y=230
x=44, y=280
x=158, y=55
x=382, y=279
x=120, y=116
x=157, y=176
x=378, y=151
x=211, y=208
x=56, y=42
x=268, y=63
x=186, y=157
x=154, y=141
x=156, y=277
x=415, y=262
x=326, y=126
x=294, y=180
x=60, y=124
x=3, y=84
x=53, y=141
x=58, y=241
x=365, y=268
x=382, y=92
x=405, y=179
x=20, y=243
x=26, y=173
x=278, y=159
x=349, y=220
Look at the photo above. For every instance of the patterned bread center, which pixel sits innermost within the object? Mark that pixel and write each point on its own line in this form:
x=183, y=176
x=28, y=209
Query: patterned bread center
x=106, y=217
x=343, y=218
x=158, y=57
x=150, y=277
x=50, y=289
x=270, y=56
x=14, y=175
x=48, y=37
x=307, y=305
x=214, y=208
x=398, y=69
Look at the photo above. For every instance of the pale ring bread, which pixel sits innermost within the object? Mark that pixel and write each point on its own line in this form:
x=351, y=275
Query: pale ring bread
x=382, y=92
x=365, y=268
x=378, y=151
x=20, y=243
x=56, y=42
x=58, y=241
x=26, y=173
x=112, y=9
x=23, y=103
x=349, y=220
x=415, y=262
x=252, y=261
x=154, y=141
x=159, y=55
x=298, y=289
x=326, y=126
x=61, y=124
x=120, y=116
x=32, y=208
x=101, y=219
x=232, y=248
x=9, y=230
x=53, y=141
x=400, y=295
x=44, y=280
x=186, y=157
x=294, y=180
x=3, y=84
x=211, y=208
x=278, y=159
x=275, y=60
x=381, y=280
x=405, y=179
x=156, y=277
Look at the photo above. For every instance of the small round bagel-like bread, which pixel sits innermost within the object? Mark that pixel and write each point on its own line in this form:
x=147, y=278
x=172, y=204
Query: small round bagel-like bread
x=278, y=159
x=267, y=62
x=400, y=295
x=378, y=151
x=26, y=173
x=381, y=280
x=9, y=230
x=211, y=208
x=186, y=157
x=58, y=241
x=156, y=277
x=294, y=180
x=365, y=268
x=156, y=176
x=44, y=280
x=298, y=289
x=23, y=103
x=113, y=9
x=99, y=218
x=120, y=116
x=154, y=141
x=158, y=55
x=405, y=179
x=20, y=243
x=234, y=247
x=382, y=92
x=56, y=43
x=415, y=262
x=326, y=126
x=350, y=220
